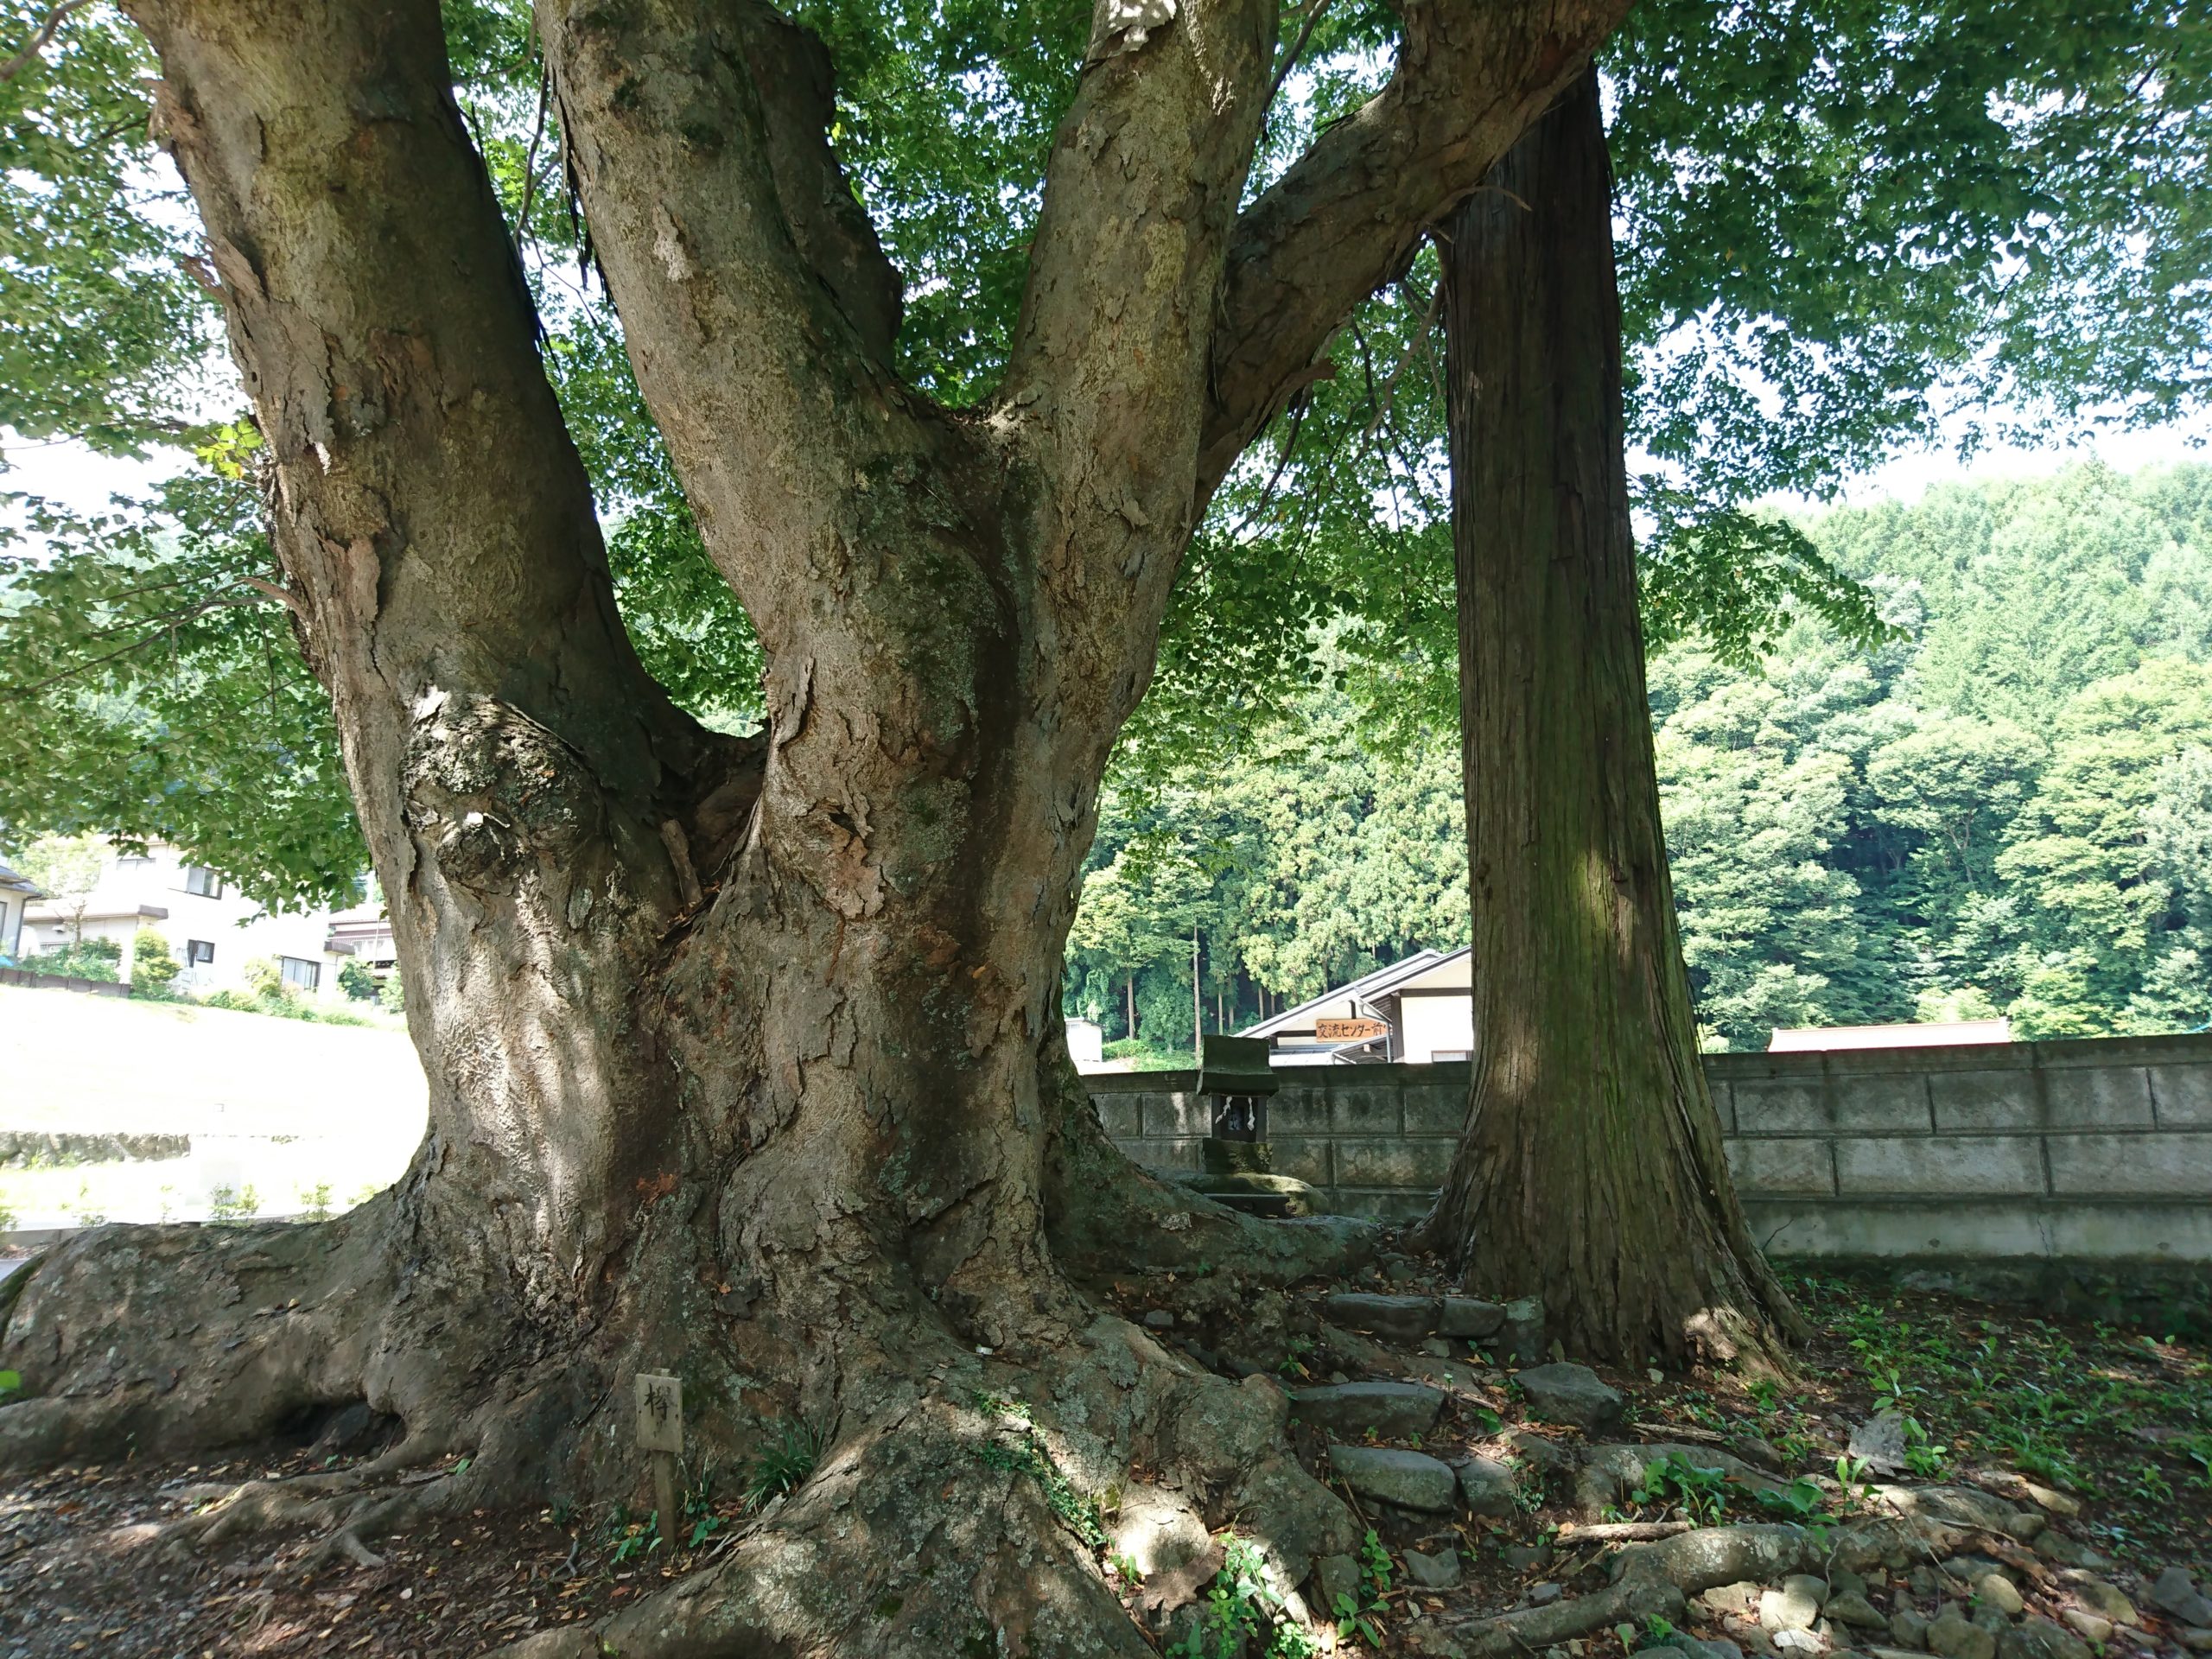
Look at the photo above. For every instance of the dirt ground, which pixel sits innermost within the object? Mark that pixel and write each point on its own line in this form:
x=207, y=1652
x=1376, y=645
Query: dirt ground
x=2117, y=1423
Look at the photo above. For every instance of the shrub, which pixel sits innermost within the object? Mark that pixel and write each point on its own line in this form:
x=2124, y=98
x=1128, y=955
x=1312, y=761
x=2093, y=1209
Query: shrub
x=228, y=1205
x=101, y=959
x=356, y=981
x=394, y=993
x=152, y=967
x=267, y=979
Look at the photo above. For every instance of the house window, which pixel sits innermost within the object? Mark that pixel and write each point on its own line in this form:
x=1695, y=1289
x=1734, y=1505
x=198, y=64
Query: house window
x=305, y=975
x=198, y=953
x=199, y=878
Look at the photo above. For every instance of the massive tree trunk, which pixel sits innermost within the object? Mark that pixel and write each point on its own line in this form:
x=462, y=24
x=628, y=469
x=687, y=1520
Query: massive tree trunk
x=1591, y=1171
x=744, y=1056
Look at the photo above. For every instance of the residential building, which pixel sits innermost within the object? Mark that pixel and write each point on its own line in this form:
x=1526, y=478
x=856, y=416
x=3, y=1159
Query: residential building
x=1421, y=1009
x=15, y=892
x=363, y=933
x=210, y=928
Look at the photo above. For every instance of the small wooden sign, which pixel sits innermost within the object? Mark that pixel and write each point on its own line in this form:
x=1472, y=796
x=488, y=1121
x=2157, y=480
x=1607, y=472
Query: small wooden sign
x=1348, y=1030
x=660, y=1431
x=660, y=1412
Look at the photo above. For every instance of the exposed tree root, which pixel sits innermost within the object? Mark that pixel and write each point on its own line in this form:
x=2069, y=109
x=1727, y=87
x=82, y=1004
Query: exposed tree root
x=961, y=1506
x=1656, y=1579
x=1105, y=1214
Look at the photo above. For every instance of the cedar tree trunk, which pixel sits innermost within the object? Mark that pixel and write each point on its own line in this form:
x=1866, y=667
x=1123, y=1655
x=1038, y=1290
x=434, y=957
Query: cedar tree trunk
x=744, y=1056
x=1591, y=1171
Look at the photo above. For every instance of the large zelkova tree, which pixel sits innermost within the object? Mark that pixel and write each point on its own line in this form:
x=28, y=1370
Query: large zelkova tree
x=742, y=1051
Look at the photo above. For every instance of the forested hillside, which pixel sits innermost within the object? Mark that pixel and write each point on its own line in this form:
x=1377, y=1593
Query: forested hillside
x=2007, y=809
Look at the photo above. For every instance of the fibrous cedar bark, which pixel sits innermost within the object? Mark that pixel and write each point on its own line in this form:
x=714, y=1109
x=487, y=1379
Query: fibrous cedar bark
x=744, y=1056
x=1591, y=1171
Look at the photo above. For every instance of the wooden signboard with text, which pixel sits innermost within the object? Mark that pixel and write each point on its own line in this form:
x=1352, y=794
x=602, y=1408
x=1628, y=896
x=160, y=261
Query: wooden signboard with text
x=1348, y=1030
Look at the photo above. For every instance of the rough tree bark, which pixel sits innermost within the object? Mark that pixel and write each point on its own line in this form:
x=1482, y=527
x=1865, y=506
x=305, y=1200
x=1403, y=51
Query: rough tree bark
x=1591, y=1171
x=744, y=1056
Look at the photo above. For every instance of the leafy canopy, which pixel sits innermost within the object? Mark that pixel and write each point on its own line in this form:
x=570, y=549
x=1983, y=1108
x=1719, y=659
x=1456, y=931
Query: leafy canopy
x=1837, y=219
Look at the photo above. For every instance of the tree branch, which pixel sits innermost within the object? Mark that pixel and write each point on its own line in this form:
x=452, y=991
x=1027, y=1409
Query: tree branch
x=41, y=38
x=161, y=628
x=424, y=489
x=1109, y=360
x=758, y=306
x=1348, y=215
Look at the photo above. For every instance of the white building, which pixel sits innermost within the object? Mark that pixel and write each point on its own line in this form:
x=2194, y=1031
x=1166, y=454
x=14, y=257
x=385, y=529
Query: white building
x=1803, y=1040
x=1421, y=1009
x=16, y=892
x=210, y=928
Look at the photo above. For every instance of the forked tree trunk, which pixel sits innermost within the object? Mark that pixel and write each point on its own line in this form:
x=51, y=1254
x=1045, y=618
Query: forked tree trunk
x=1591, y=1171
x=745, y=1060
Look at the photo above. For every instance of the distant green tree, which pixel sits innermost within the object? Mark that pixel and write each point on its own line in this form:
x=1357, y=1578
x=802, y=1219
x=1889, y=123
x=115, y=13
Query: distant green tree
x=66, y=868
x=2079, y=849
x=2176, y=988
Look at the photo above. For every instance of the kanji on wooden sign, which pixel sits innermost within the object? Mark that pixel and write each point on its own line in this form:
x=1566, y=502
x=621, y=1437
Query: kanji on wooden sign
x=660, y=1412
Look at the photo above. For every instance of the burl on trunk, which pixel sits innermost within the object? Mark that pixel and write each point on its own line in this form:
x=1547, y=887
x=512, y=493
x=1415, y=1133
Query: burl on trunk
x=743, y=1056
x=1591, y=1172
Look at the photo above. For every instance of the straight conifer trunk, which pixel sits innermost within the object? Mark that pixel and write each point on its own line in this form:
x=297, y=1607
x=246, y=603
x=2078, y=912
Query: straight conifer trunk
x=1591, y=1171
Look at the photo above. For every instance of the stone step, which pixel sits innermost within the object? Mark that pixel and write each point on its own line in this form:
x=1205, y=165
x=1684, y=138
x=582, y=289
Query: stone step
x=1278, y=1196
x=1404, y=1317
x=1412, y=1480
x=1396, y=1411
x=1515, y=1328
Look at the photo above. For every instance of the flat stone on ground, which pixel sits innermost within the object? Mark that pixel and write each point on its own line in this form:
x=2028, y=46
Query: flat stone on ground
x=1488, y=1487
x=1335, y=1576
x=1523, y=1333
x=1395, y=1411
x=2106, y=1600
x=1953, y=1637
x=1794, y=1607
x=1463, y=1316
x=2177, y=1593
x=1407, y=1319
x=1850, y=1607
x=1567, y=1393
x=1438, y=1572
x=1413, y=1480
x=1996, y=1591
x=2039, y=1638
x=2090, y=1627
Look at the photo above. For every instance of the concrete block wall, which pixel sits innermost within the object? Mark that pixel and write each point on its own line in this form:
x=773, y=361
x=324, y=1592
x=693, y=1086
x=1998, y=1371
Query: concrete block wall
x=2089, y=1150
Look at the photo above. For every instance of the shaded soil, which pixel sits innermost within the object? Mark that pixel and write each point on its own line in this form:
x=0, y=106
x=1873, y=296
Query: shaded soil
x=2116, y=1423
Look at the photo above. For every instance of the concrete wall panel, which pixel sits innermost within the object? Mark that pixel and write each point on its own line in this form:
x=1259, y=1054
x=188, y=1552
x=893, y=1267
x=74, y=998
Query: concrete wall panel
x=1946, y=1165
x=1930, y=1153
x=1793, y=1165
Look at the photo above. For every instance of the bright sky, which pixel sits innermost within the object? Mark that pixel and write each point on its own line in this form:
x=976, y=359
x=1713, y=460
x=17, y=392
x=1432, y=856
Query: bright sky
x=1907, y=477
x=66, y=472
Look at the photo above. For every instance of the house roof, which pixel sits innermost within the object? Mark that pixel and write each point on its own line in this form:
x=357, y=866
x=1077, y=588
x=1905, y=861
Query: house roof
x=13, y=881
x=1366, y=989
x=1933, y=1034
x=1399, y=975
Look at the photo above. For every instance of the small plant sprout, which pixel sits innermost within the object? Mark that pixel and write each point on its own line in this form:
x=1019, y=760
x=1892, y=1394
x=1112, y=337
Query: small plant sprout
x=784, y=1460
x=1245, y=1612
